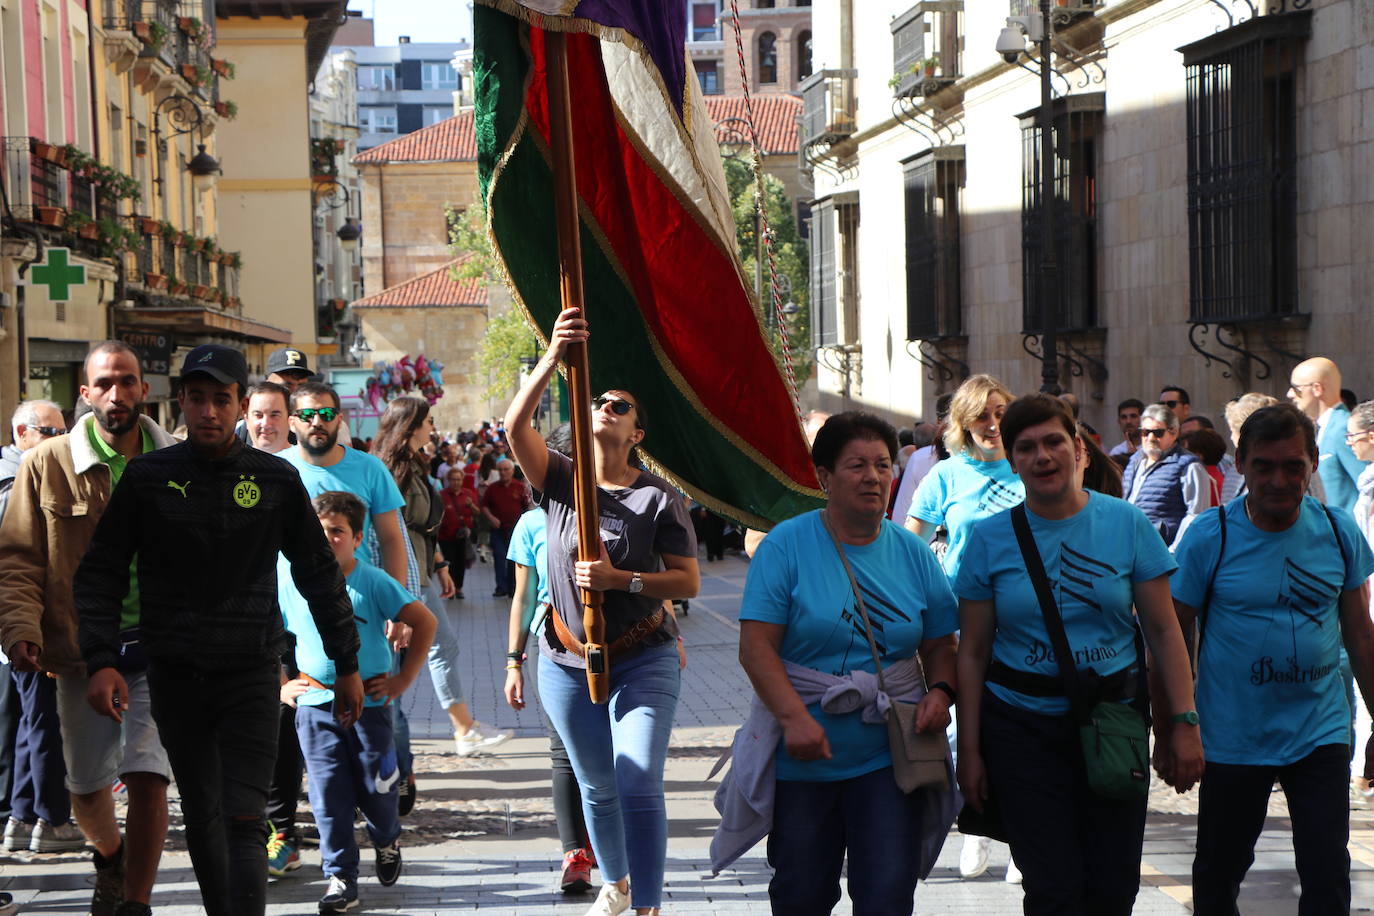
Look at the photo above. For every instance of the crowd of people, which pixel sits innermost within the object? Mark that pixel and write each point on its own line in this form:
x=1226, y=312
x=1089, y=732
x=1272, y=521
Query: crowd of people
x=239, y=606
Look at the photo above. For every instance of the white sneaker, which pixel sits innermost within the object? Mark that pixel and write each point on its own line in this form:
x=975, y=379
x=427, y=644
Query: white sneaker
x=609, y=902
x=973, y=858
x=1013, y=873
x=479, y=738
x=17, y=835
x=61, y=838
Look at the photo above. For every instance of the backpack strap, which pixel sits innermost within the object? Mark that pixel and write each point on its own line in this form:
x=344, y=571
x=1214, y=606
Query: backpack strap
x=1340, y=545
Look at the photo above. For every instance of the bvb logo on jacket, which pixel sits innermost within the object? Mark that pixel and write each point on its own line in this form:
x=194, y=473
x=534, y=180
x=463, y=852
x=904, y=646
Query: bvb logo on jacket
x=246, y=492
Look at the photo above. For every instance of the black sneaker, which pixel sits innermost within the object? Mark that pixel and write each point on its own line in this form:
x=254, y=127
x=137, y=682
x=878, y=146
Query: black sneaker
x=130, y=908
x=309, y=835
x=341, y=897
x=388, y=864
x=109, y=884
x=405, y=797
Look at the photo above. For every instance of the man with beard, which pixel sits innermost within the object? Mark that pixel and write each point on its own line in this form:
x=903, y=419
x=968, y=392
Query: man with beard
x=59, y=496
x=325, y=464
x=205, y=520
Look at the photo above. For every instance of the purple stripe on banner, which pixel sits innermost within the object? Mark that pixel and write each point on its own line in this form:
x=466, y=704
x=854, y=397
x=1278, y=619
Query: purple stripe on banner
x=660, y=24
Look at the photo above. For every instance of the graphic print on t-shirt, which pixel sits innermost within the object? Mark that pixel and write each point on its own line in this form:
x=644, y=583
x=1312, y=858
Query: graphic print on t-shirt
x=1078, y=575
x=1303, y=593
x=998, y=497
x=880, y=611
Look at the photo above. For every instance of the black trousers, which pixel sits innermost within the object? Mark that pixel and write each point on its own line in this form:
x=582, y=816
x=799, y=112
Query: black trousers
x=287, y=777
x=456, y=552
x=220, y=732
x=567, y=794
x=1078, y=853
x=1231, y=810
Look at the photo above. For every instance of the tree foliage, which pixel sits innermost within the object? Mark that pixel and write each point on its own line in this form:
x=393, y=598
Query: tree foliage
x=508, y=336
x=790, y=253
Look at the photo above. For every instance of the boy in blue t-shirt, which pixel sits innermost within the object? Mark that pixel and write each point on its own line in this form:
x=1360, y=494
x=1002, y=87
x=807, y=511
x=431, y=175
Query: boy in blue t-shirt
x=353, y=768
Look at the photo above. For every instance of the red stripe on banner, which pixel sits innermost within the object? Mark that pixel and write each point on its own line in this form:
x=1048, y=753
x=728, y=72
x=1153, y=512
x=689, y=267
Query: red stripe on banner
x=688, y=289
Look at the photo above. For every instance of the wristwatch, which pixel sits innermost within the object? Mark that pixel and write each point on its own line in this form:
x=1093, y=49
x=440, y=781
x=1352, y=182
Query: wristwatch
x=636, y=584
x=1186, y=718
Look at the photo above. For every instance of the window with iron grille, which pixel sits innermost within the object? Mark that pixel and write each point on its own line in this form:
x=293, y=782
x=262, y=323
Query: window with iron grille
x=1242, y=183
x=835, y=270
x=1077, y=134
x=824, y=320
x=933, y=182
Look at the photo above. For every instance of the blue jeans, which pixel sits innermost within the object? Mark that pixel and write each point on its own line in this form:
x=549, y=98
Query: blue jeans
x=40, y=775
x=443, y=652
x=504, y=569
x=350, y=768
x=814, y=823
x=617, y=751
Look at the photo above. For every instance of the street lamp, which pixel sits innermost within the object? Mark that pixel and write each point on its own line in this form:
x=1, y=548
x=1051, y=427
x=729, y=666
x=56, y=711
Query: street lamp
x=205, y=170
x=1010, y=45
x=348, y=234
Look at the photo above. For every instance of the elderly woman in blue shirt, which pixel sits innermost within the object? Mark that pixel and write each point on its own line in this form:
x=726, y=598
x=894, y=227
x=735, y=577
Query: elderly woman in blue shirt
x=801, y=638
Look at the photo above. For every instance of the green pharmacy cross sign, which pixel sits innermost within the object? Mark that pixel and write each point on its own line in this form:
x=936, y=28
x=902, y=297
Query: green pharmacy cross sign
x=58, y=275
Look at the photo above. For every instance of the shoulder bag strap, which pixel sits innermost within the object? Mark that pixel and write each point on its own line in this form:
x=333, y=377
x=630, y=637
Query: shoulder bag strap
x=859, y=601
x=1054, y=624
x=1206, y=608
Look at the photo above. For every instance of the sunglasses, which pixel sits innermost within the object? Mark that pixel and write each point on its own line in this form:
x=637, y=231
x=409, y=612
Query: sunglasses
x=1157, y=433
x=327, y=414
x=1349, y=437
x=47, y=432
x=1172, y=405
x=618, y=407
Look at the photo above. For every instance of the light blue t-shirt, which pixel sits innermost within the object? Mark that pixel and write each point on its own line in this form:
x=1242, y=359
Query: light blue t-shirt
x=358, y=473
x=376, y=599
x=797, y=580
x=529, y=547
x=1269, y=687
x=959, y=492
x=1092, y=559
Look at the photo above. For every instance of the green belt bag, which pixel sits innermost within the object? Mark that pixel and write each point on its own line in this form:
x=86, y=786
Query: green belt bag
x=1114, y=735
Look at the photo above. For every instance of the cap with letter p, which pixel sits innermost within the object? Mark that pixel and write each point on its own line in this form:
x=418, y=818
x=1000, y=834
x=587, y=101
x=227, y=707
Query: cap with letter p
x=223, y=364
x=287, y=359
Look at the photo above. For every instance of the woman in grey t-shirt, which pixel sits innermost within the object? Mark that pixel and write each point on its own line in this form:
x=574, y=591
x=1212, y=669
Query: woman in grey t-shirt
x=648, y=554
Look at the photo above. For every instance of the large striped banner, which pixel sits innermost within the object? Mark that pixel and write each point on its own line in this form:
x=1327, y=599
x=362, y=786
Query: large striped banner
x=669, y=306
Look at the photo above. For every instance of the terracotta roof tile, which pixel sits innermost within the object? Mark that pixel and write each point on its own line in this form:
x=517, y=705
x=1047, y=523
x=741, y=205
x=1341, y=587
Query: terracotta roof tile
x=454, y=140
x=450, y=140
x=435, y=289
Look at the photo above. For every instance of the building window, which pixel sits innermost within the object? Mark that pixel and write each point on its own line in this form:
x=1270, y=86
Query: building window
x=705, y=21
x=708, y=74
x=377, y=78
x=438, y=74
x=768, y=58
x=933, y=182
x=803, y=43
x=1077, y=136
x=377, y=119
x=1242, y=187
x=834, y=238
x=763, y=4
x=433, y=114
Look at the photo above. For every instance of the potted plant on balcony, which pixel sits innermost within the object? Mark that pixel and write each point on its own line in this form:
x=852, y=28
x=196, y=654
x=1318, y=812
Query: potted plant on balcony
x=189, y=72
x=188, y=240
x=200, y=291
x=232, y=302
x=175, y=286
x=78, y=162
x=81, y=224
x=49, y=151
x=227, y=109
x=154, y=280
x=170, y=234
x=115, y=239
x=49, y=216
x=148, y=226
x=223, y=67
x=235, y=261
x=930, y=65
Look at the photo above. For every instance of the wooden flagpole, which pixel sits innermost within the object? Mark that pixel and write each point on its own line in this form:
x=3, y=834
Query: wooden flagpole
x=579, y=380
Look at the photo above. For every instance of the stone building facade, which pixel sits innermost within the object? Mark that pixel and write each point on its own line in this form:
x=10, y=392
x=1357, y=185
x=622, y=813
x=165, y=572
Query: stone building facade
x=1169, y=274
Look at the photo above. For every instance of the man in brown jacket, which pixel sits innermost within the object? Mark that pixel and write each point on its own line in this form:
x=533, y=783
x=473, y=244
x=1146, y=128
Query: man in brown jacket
x=58, y=497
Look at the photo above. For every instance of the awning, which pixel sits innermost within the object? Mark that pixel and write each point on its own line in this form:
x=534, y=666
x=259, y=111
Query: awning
x=199, y=320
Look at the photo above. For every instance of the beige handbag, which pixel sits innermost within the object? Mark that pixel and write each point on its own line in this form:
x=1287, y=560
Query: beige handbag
x=918, y=760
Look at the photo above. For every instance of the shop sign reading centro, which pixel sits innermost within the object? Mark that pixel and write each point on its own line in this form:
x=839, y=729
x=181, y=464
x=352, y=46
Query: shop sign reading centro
x=58, y=274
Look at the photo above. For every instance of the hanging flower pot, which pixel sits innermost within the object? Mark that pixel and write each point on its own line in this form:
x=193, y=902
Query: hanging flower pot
x=189, y=73
x=50, y=216
x=155, y=281
x=88, y=231
x=178, y=288
x=144, y=32
x=149, y=226
x=49, y=151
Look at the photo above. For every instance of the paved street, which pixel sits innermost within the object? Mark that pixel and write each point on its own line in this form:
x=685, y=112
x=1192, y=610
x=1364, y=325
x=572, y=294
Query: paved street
x=482, y=836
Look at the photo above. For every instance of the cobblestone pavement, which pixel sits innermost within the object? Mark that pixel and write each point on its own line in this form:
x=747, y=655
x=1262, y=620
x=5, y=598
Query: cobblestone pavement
x=482, y=836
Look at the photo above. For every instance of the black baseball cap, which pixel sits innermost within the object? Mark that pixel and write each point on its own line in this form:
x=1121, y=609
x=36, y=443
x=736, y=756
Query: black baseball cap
x=287, y=359
x=223, y=364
